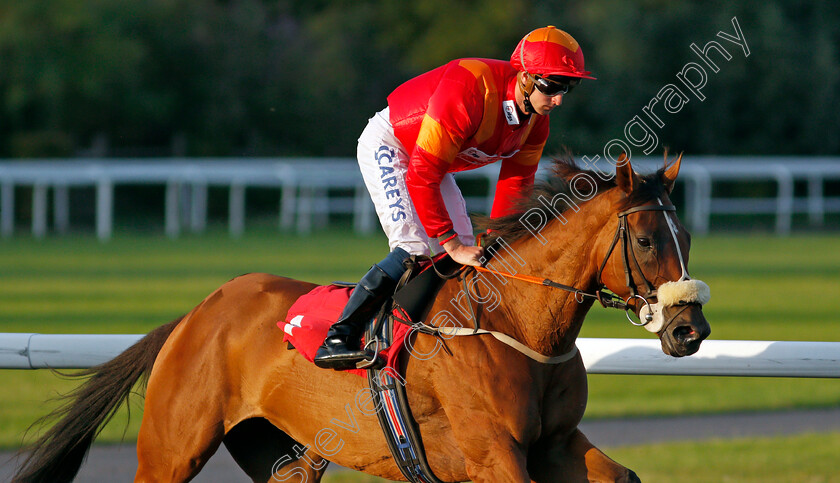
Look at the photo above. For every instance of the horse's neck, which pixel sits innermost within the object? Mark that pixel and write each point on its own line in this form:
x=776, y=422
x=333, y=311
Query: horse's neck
x=548, y=320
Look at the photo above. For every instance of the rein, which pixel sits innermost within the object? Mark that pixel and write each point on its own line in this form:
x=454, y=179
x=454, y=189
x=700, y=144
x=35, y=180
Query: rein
x=607, y=299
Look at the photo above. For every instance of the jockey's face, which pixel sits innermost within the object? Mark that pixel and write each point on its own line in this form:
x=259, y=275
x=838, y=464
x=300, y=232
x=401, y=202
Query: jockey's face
x=542, y=104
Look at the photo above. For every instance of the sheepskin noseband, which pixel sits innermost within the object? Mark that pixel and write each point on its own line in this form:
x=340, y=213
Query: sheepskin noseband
x=683, y=292
x=670, y=294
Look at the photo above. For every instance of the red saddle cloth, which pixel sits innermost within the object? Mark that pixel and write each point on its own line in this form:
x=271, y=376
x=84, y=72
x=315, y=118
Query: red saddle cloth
x=311, y=316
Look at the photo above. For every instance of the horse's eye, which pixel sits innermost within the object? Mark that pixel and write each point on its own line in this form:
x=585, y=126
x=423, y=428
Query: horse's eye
x=643, y=242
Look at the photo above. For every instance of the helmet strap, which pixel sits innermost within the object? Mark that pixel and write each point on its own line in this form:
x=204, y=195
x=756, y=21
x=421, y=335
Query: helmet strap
x=529, y=109
x=527, y=89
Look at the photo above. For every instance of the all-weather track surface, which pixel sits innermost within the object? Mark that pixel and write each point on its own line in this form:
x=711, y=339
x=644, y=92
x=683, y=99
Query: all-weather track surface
x=117, y=463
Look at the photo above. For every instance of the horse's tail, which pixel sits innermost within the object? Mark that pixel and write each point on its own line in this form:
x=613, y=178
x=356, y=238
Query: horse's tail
x=58, y=454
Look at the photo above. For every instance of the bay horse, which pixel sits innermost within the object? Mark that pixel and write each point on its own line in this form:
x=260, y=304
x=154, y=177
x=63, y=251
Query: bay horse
x=486, y=413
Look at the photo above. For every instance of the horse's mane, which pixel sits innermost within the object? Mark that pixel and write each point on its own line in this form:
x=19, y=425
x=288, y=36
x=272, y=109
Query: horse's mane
x=564, y=169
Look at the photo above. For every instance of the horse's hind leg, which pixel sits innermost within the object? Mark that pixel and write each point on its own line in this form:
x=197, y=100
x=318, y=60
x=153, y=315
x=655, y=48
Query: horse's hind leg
x=176, y=438
x=184, y=412
x=162, y=461
x=267, y=454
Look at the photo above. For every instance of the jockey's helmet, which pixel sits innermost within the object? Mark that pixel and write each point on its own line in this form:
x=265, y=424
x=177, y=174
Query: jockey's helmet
x=549, y=51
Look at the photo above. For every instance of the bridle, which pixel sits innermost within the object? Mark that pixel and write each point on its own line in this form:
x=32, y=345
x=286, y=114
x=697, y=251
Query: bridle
x=622, y=232
x=605, y=297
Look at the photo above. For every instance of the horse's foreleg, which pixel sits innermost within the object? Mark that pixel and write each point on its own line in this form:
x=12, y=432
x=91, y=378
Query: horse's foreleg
x=269, y=455
x=575, y=459
x=500, y=461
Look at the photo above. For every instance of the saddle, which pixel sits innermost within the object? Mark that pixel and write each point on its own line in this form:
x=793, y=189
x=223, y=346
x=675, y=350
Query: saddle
x=309, y=319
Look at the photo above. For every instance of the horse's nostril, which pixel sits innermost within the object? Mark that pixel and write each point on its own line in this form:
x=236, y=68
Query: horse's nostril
x=684, y=333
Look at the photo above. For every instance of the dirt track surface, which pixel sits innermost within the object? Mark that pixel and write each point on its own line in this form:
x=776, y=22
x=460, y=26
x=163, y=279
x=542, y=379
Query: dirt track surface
x=108, y=464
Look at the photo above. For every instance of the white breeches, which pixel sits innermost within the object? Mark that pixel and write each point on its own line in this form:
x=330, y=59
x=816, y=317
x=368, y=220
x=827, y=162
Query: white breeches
x=384, y=162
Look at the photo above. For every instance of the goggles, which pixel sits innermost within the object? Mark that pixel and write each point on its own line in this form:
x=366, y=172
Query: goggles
x=554, y=85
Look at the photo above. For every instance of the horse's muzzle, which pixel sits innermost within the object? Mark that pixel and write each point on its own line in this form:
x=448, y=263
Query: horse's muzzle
x=686, y=329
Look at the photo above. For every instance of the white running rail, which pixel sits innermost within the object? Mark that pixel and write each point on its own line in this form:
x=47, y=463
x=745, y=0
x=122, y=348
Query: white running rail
x=600, y=356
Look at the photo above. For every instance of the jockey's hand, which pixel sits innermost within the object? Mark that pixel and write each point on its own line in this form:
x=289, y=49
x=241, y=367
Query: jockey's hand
x=464, y=254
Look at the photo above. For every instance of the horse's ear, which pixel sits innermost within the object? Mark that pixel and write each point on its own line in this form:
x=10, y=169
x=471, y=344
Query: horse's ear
x=625, y=177
x=669, y=176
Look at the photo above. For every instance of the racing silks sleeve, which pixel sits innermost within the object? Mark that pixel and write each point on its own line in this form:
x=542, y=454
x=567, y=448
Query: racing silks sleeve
x=516, y=176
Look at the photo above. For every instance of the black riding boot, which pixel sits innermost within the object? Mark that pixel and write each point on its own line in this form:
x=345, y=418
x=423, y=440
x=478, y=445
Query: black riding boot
x=341, y=349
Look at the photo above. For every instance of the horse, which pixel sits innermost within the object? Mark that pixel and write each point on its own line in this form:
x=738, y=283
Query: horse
x=221, y=374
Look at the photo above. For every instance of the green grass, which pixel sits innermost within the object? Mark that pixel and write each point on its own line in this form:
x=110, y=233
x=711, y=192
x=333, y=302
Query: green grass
x=132, y=285
x=763, y=287
x=743, y=460
x=810, y=458
x=350, y=477
x=137, y=283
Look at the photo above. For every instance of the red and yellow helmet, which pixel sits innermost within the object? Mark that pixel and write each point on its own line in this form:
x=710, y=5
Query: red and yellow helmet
x=549, y=51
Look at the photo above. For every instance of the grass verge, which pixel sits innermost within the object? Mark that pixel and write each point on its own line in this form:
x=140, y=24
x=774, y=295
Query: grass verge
x=763, y=287
x=746, y=460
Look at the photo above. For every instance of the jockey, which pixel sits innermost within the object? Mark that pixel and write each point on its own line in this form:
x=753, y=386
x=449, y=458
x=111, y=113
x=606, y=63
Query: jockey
x=462, y=115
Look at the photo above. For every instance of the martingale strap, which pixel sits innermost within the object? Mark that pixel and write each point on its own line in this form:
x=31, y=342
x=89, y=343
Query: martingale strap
x=393, y=412
x=510, y=341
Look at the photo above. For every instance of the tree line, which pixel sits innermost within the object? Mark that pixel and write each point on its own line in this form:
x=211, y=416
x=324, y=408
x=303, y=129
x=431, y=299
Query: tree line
x=283, y=78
